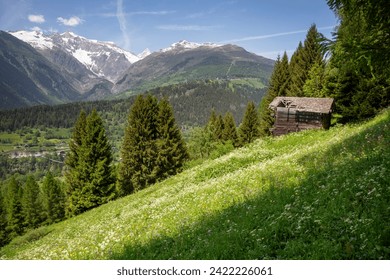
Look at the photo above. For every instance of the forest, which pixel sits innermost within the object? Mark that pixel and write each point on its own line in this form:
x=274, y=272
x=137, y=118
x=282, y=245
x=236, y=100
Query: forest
x=108, y=157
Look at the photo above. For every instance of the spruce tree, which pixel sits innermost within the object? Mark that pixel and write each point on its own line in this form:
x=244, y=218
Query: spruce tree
x=277, y=87
x=31, y=204
x=92, y=182
x=72, y=170
x=53, y=199
x=249, y=128
x=314, y=85
x=3, y=221
x=297, y=73
x=13, y=207
x=304, y=58
x=229, y=132
x=139, y=148
x=172, y=151
x=218, y=129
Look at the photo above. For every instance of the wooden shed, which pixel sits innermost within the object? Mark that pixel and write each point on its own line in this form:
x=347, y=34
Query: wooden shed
x=299, y=113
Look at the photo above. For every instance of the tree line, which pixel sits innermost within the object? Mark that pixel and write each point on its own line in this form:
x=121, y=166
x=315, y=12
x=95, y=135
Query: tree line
x=191, y=101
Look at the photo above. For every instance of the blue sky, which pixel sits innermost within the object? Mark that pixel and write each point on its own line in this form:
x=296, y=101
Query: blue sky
x=264, y=27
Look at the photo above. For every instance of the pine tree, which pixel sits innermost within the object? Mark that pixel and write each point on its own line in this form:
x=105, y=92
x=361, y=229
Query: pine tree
x=314, y=85
x=31, y=204
x=139, y=149
x=72, y=170
x=78, y=134
x=172, y=151
x=249, y=128
x=92, y=182
x=3, y=221
x=53, y=199
x=297, y=73
x=229, y=132
x=277, y=87
x=212, y=120
x=13, y=206
x=218, y=129
x=304, y=58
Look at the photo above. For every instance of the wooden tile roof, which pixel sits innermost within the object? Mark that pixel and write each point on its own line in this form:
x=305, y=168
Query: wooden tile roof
x=306, y=104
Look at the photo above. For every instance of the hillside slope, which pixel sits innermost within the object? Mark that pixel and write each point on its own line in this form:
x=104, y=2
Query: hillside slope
x=27, y=78
x=179, y=64
x=309, y=195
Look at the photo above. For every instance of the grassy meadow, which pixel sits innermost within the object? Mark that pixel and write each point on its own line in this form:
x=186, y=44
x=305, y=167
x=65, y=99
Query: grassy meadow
x=308, y=195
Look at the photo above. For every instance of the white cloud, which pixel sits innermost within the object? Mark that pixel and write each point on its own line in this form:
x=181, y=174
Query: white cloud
x=72, y=21
x=36, y=18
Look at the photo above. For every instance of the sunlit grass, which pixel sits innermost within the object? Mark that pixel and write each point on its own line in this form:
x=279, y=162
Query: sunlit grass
x=310, y=195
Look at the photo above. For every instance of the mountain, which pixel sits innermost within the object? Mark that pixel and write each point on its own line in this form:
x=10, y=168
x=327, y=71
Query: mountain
x=104, y=59
x=28, y=78
x=185, y=61
x=94, y=70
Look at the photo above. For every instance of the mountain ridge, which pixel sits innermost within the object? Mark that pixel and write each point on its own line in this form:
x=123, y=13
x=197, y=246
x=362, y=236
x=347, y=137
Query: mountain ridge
x=100, y=70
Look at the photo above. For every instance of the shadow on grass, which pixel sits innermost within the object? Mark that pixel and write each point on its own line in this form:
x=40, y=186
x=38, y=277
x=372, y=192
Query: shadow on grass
x=340, y=210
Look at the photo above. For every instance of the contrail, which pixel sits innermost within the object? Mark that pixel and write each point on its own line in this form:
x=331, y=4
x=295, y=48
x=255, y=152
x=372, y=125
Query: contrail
x=251, y=38
x=121, y=16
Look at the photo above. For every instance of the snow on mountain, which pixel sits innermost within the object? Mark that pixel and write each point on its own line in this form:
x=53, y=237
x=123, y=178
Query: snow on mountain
x=104, y=59
x=185, y=45
x=34, y=38
x=144, y=54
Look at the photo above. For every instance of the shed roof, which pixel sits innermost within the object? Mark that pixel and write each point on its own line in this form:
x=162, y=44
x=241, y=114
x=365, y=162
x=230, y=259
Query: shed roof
x=307, y=104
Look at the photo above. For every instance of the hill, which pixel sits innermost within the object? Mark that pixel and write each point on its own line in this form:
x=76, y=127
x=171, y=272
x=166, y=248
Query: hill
x=307, y=195
x=185, y=61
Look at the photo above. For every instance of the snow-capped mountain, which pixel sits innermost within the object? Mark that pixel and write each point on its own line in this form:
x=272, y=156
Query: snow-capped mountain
x=104, y=59
x=184, y=45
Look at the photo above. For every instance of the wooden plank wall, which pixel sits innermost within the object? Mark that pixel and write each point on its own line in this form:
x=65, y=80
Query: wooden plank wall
x=291, y=120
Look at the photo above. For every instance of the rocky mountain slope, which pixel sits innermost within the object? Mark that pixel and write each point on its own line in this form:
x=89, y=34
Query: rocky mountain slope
x=104, y=59
x=28, y=78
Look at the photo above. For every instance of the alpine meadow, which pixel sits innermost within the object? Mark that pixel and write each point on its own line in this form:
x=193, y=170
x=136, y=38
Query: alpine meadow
x=197, y=151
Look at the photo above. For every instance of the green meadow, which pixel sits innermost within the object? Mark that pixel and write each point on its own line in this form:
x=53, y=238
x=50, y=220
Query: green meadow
x=308, y=195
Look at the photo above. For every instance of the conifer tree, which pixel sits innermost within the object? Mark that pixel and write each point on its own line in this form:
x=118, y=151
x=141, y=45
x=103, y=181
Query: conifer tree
x=297, y=73
x=172, y=151
x=277, y=87
x=212, y=119
x=218, y=128
x=139, y=150
x=304, y=58
x=78, y=134
x=72, y=170
x=314, y=85
x=53, y=199
x=93, y=180
x=13, y=206
x=3, y=221
x=229, y=132
x=31, y=204
x=249, y=128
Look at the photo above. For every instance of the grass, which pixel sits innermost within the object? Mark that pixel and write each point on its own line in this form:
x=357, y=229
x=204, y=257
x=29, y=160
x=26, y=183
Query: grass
x=308, y=195
x=34, y=140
